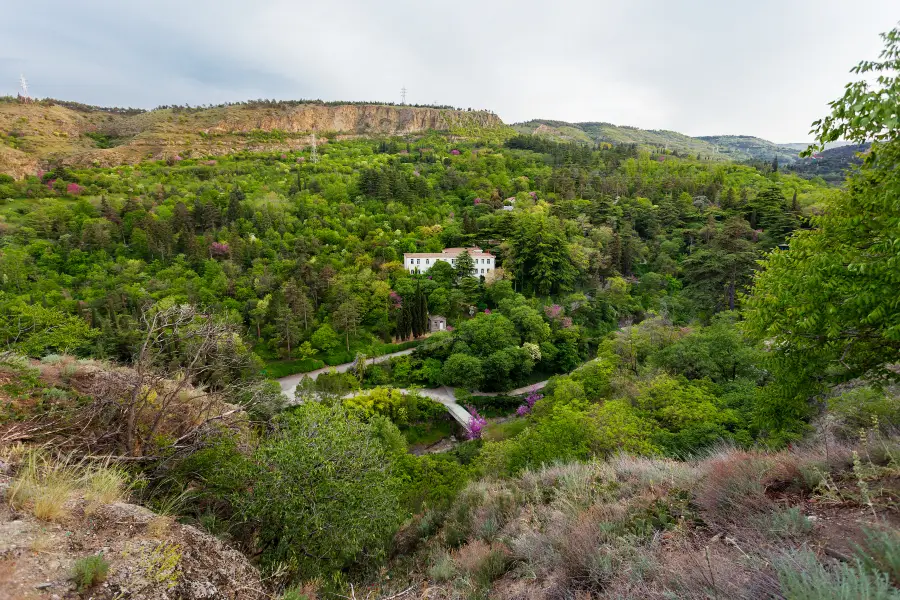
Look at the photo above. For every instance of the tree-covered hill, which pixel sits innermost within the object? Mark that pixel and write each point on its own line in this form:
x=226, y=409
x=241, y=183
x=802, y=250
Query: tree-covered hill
x=746, y=147
x=831, y=164
x=595, y=133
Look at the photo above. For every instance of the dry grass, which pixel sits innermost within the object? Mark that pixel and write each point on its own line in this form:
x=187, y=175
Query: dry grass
x=631, y=527
x=103, y=485
x=159, y=526
x=45, y=484
x=42, y=543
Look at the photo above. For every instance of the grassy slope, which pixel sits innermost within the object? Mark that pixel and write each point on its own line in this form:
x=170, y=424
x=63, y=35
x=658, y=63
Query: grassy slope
x=735, y=524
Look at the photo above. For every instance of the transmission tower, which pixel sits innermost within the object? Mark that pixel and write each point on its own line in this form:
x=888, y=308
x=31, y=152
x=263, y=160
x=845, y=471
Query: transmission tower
x=403, y=95
x=313, y=152
x=24, y=85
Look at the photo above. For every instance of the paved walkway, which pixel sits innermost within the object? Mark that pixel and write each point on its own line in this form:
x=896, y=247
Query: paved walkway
x=445, y=395
x=289, y=383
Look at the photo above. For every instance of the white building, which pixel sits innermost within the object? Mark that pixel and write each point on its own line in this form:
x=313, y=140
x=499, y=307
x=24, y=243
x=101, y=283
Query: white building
x=484, y=262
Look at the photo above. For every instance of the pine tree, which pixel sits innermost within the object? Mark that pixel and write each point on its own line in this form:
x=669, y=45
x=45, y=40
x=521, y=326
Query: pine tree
x=465, y=266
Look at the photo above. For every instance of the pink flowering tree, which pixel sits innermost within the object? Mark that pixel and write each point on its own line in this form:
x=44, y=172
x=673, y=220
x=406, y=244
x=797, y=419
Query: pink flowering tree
x=219, y=249
x=396, y=300
x=477, y=423
x=73, y=189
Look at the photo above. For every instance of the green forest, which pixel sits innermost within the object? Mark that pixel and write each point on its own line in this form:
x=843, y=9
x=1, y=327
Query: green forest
x=702, y=326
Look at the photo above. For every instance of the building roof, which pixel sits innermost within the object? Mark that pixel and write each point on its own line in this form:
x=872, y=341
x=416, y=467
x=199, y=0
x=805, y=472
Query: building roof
x=474, y=252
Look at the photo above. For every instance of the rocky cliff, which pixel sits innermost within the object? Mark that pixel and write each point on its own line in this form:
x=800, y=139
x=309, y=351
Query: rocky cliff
x=43, y=134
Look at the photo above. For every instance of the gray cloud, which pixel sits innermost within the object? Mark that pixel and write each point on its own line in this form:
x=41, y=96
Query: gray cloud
x=765, y=68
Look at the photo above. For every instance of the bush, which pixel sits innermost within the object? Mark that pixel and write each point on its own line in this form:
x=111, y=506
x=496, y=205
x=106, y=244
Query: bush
x=89, y=571
x=864, y=408
x=803, y=577
x=880, y=552
x=322, y=492
x=789, y=523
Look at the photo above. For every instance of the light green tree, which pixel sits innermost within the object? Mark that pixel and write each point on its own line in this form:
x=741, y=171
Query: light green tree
x=323, y=493
x=828, y=307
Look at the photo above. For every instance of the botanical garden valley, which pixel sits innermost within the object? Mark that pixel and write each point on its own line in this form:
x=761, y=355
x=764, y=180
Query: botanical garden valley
x=618, y=369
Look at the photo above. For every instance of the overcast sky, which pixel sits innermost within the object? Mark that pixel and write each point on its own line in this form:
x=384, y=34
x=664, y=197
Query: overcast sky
x=702, y=67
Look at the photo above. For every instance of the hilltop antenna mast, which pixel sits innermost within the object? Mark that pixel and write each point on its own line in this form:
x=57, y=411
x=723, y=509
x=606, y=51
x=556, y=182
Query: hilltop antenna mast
x=24, y=85
x=313, y=153
x=403, y=95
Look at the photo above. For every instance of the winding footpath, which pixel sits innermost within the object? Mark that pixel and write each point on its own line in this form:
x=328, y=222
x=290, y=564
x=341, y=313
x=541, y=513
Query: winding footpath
x=289, y=383
x=443, y=395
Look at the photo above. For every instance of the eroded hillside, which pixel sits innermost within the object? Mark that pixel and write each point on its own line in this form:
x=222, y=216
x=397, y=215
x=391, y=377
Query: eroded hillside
x=40, y=135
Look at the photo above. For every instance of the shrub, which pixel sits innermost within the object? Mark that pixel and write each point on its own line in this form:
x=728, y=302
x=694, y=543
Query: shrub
x=89, y=571
x=881, y=552
x=734, y=487
x=442, y=568
x=789, y=523
x=322, y=468
x=803, y=577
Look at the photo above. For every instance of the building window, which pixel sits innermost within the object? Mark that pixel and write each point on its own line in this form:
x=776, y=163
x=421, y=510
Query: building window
x=418, y=261
x=426, y=261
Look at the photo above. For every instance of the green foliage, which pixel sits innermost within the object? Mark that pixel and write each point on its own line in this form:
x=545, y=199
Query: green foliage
x=319, y=470
x=89, y=571
x=462, y=370
x=35, y=330
x=828, y=306
x=880, y=553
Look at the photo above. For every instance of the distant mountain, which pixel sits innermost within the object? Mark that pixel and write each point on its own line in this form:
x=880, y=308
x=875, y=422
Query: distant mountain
x=832, y=164
x=594, y=132
x=747, y=147
x=716, y=147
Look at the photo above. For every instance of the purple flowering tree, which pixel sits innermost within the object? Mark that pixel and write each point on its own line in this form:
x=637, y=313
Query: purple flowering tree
x=477, y=424
x=530, y=400
x=73, y=189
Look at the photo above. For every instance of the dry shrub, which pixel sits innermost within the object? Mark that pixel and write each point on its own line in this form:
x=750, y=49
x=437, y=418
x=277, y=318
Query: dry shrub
x=593, y=546
x=481, y=562
x=734, y=487
x=469, y=558
x=650, y=472
x=482, y=509
x=695, y=571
